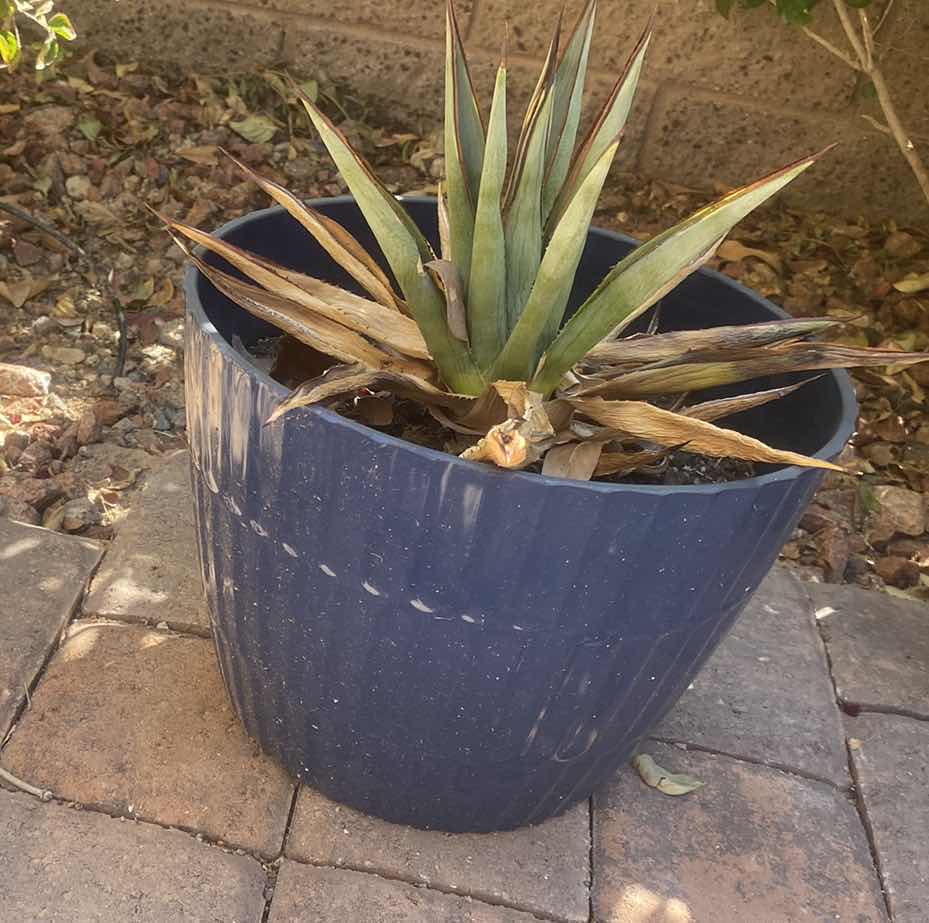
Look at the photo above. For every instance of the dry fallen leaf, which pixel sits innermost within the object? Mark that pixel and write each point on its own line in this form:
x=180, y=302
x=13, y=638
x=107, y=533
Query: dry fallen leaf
x=733, y=251
x=913, y=283
x=668, y=783
x=255, y=128
x=18, y=293
x=204, y=153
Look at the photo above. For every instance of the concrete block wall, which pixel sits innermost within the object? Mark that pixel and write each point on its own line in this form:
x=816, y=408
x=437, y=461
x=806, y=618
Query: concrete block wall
x=720, y=101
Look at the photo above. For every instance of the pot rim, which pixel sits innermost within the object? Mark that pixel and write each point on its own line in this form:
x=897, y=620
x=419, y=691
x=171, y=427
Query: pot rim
x=838, y=440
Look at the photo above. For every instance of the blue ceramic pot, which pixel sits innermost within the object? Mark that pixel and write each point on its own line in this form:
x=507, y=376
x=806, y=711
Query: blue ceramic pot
x=441, y=643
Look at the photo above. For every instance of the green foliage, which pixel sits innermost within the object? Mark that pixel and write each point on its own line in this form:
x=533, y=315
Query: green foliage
x=39, y=18
x=795, y=12
x=479, y=336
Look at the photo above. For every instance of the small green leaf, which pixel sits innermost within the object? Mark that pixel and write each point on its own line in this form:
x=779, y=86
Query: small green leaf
x=311, y=89
x=796, y=12
x=724, y=7
x=10, y=49
x=258, y=129
x=668, y=783
x=89, y=127
x=49, y=53
x=61, y=26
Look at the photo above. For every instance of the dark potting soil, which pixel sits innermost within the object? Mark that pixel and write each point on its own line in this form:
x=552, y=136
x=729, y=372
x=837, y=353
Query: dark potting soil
x=291, y=363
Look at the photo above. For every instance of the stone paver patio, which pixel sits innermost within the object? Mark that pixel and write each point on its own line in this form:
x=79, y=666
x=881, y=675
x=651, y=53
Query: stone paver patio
x=809, y=726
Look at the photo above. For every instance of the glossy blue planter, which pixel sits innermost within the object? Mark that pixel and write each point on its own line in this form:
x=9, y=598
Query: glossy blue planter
x=444, y=644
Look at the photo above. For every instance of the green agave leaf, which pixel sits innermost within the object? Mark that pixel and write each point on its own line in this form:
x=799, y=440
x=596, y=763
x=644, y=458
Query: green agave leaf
x=608, y=125
x=536, y=101
x=652, y=270
x=523, y=221
x=464, y=146
x=487, y=284
x=406, y=251
x=566, y=109
x=545, y=308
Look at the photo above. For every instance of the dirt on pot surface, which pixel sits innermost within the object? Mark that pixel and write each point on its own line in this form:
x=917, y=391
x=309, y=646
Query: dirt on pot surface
x=85, y=152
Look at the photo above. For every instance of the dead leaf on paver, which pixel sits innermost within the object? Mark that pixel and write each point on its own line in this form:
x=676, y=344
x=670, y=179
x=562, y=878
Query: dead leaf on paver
x=668, y=783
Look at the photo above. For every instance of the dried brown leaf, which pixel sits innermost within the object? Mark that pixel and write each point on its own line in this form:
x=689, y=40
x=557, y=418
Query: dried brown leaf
x=645, y=421
x=370, y=318
x=575, y=461
x=348, y=379
x=332, y=237
x=450, y=279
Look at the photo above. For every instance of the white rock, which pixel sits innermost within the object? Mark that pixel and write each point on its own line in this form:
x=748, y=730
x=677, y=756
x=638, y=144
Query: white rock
x=23, y=381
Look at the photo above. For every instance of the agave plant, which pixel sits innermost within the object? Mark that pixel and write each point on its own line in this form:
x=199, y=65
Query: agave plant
x=478, y=334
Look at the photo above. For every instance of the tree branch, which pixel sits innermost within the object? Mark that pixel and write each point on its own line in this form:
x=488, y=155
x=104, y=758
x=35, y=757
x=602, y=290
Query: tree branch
x=851, y=34
x=864, y=47
x=825, y=43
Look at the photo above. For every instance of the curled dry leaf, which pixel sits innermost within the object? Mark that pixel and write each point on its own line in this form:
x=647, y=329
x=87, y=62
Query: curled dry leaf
x=343, y=380
x=447, y=273
x=668, y=783
x=576, y=461
x=611, y=463
x=523, y=438
x=726, y=406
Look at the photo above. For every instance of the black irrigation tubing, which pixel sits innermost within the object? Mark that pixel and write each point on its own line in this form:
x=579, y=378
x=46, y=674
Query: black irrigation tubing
x=42, y=226
x=66, y=242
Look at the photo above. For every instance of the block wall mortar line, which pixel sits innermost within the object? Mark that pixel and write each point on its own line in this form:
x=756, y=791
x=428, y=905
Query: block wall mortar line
x=326, y=24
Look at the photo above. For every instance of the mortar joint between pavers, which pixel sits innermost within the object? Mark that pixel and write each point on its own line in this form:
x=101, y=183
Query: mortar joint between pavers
x=865, y=818
x=853, y=709
x=740, y=758
x=855, y=792
x=183, y=631
x=477, y=896
x=199, y=835
x=270, y=885
x=590, y=859
x=74, y=615
x=288, y=824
